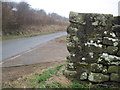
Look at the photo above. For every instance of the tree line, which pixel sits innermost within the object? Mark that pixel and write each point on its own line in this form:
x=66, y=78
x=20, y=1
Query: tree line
x=15, y=15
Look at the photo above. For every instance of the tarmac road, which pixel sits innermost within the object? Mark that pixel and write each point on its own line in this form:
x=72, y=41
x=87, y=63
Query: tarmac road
x=12, y=48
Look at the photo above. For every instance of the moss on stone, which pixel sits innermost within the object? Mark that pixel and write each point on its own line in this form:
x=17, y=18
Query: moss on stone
x=115, y=77
x=98, y=77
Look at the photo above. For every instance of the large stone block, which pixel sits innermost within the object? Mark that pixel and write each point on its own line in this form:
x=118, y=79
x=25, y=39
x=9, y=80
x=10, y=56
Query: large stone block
x=111, y=50
x=107, y=59
x=70, y=66
x=104, y=71
x=77, y=18
x=110, y=41
x=82, y=67
x=115, y=77
x=98, y=77
x=96, y=48
x=114, y=69
x=83, y=76
x=70, y=73
x=116, y=29
x=96, y=67
x=118, y=53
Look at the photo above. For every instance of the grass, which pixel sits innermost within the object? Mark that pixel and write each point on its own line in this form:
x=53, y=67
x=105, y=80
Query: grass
x=47, y=80
x=46, y=75
x=24, y=35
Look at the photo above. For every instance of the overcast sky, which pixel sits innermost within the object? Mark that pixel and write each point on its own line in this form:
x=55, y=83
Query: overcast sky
x=63, y=7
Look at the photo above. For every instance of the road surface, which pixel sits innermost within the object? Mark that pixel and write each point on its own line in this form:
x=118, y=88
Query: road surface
x=14, y=47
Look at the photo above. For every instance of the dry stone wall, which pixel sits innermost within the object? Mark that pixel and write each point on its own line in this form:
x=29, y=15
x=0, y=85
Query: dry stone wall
x=94, y=46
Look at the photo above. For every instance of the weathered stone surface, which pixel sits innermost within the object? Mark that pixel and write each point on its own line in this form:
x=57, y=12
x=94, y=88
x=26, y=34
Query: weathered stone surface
x=95, y=19
x=107, y=59
x=96, y=67
x=113, y=69
x=72, y=30
x=104, y=71
x=115, y=77
x=83, y=76
x=71, y=45
x=82, y=67
x=77, y=18
x=118, y=53
x=111, y=49
x=70, y=66
x=110, y=41
x=116, y=29
x=98, y=77
x=106, y=41
x=70, y=73
x=94, y=46
x=115, y=63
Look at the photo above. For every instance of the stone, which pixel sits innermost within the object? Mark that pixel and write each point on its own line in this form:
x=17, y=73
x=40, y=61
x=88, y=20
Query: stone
x=105, y=57
x=115, y=63
x=106, y=41
x=95, y=19
x=115, y=77
x=96, y=48
x=69, y=59
x=71, y=46
x=83, y=76
x=118, y=53
x=102, y=19
x=70, y=73
x=72, y=30
x=76, y=39
x=104, y=71
x=96, y=67
x=70, y=66
x=116, y=29
x=77, y=18
x=82, y=67
x=113, y=69
x=111, y=49
x=98, y=77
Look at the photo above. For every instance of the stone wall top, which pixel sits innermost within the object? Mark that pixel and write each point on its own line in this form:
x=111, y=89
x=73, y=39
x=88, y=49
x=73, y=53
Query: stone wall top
x=91, y=19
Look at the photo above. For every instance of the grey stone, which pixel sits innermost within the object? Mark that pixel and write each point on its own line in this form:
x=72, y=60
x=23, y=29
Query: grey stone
x=77, y=18
x=118, y=53
x=83, y=76
x=113, y=69
x=104, y=71
x=82, y=67
x=70, y=73
x=116, y=29
x=98, y=77
x=70, y=66
x=111, y=49
x=96, y=67
x=115, y=77
x=96, y=48
x=115, y=63
x=105, y=57
x=106, y=41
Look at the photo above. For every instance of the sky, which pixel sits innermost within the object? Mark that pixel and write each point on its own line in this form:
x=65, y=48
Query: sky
x=63, y=7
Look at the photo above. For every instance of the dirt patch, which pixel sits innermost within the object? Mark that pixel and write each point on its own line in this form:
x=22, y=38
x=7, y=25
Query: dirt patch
x=13, y=73
x=61, y=39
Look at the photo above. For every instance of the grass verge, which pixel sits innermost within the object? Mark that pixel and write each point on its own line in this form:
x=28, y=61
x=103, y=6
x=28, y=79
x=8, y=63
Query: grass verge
x=24, y=35
x=54, y=78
